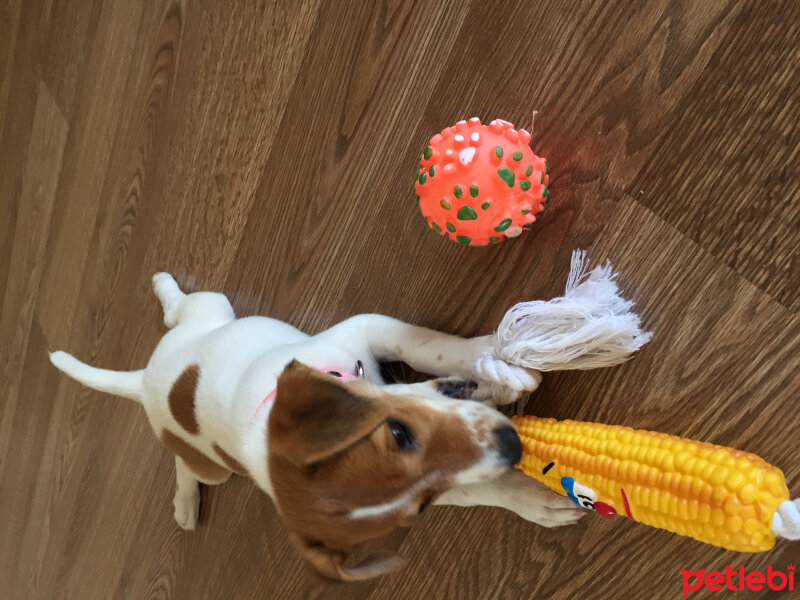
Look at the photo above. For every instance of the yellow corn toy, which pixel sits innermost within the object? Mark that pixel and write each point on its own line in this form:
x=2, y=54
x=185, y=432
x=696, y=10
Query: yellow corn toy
x=712, y=493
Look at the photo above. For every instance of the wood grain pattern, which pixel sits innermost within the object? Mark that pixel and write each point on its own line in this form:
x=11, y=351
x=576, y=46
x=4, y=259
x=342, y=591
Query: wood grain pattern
x=267, y=151
x=37, y=196
x=738, y=199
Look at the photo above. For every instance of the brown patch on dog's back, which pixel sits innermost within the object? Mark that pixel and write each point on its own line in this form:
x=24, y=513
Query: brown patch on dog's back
x=181, y=399
x=202, y=466
x=233, y=464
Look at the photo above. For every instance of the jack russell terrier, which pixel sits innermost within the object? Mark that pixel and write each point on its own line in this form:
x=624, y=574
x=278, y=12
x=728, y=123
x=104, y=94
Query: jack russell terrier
x=345, y=457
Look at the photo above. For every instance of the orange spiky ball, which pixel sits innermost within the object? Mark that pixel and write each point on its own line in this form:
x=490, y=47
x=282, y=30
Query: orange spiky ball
x=478, y=184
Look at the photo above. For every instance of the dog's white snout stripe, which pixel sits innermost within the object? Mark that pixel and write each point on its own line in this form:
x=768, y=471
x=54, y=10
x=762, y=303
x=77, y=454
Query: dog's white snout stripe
x=390, y=506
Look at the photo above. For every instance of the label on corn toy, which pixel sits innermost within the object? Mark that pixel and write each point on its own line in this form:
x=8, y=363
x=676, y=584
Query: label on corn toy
x=714, y=494
x=586, y=497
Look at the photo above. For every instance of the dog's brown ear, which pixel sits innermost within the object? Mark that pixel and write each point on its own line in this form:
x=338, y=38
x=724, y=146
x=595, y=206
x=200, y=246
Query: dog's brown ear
x=330, y=562
x=315, y=416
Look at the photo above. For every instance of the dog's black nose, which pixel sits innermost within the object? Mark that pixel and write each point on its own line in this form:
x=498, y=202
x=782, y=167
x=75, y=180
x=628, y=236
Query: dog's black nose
x=509, y=444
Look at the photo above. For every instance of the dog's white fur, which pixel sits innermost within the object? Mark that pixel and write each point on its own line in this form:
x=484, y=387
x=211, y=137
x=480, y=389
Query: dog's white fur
x=240, y=361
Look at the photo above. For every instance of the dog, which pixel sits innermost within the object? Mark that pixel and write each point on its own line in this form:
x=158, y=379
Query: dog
x=345, y=457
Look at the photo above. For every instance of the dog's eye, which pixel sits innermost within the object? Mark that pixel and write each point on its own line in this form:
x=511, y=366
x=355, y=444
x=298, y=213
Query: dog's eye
x=401, y=434
x=425, y=504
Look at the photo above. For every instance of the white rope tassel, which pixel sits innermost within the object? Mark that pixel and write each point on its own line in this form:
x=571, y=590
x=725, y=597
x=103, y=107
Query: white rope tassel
x=590, y=326
x=786, y=521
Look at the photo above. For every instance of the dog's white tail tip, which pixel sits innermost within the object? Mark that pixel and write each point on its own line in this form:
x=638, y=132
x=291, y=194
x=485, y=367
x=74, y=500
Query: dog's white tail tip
x=127, y=384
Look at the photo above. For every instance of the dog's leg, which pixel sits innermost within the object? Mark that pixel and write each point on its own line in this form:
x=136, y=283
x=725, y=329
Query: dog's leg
x=187, y=496
x=486, y=392
x=523, y=495
x=208, y=307
x=170, y=295
x=433, y=352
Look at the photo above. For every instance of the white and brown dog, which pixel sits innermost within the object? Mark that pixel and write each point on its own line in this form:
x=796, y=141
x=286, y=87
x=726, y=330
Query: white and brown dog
x=345, y=457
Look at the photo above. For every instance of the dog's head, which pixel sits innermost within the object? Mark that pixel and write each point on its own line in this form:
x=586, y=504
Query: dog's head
x=351, y=461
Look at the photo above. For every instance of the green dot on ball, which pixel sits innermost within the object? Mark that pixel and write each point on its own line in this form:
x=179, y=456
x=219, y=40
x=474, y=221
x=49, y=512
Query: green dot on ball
x=464, y=240
x=466, y=213
x=517, y=156
x=428, y=152
x=506, y=175
x=498, y=151
x=457, y=191
x=503, y=225
x=473, y=190
x=450, y=227
x=422, y=178
x=524, y=185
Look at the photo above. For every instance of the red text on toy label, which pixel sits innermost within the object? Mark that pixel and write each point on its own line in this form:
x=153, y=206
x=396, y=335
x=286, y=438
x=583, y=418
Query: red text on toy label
x=737, y=580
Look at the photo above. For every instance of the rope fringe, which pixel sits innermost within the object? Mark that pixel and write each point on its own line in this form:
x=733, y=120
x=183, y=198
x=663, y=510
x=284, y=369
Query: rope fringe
x=589, y=327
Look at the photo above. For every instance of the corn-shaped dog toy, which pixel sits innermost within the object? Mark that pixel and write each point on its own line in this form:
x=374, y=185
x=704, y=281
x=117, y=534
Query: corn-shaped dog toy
x=712, y=493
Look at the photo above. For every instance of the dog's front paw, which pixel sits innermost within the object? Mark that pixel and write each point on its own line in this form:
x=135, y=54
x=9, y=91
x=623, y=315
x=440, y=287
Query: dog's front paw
x=495, y=395
x=554, y=511
x=494, y=370
x=487, y=392
x=534, y=501
x=187, y=508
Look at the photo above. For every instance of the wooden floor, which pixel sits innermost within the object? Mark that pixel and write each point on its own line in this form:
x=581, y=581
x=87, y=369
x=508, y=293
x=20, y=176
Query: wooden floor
x=269, y=153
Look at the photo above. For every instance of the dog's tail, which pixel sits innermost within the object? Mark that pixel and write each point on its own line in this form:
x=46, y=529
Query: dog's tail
x=127, y=384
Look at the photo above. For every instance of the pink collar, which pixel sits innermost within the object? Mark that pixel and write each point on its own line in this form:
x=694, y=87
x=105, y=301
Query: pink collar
x=357, y=372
